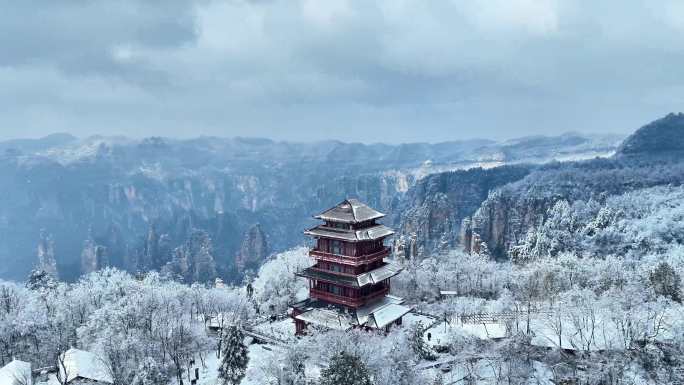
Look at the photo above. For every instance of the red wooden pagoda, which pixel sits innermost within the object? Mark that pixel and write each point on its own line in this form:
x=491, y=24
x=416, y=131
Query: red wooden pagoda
x=349, y=283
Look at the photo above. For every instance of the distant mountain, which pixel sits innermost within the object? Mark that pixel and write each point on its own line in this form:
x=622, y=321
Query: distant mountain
x=520, y=201
x=663, y=137
x=37, y=145
x=210, y=205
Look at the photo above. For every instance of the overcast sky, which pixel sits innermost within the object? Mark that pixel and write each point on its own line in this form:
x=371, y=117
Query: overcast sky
x=391, y=70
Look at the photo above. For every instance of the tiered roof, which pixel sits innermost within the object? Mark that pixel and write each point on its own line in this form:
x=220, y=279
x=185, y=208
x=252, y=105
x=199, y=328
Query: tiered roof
x=367, y=234
x=350, y=211
x=375, y=315
x=368, y=278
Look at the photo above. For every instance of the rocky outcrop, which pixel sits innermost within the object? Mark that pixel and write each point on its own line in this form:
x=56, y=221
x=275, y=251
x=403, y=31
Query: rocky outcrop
x=650, y=157
x=254, y=249
x=193, y=261
x=503, y=221
x=93, y=257
x=433, y=210
x=46, y=255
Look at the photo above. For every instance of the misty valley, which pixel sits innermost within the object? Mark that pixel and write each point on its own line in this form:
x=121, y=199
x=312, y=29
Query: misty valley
x=539, y=260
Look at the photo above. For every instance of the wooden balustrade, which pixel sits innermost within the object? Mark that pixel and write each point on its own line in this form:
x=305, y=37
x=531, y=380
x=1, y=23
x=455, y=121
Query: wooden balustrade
x=344, y=300
x=347, y=260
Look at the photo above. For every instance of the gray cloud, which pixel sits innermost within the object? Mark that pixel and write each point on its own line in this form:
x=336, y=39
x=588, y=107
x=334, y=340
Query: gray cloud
x=388, y=70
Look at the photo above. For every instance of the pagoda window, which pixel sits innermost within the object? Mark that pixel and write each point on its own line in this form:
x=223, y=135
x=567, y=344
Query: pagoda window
x=336, y=247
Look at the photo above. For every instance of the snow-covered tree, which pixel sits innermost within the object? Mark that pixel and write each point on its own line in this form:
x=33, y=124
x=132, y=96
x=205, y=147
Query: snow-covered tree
x=149, y=373
x=345, y=369
x=41, y=280
x=666, y=282
x=276, y=285
x=417, y=342
x=235, y=357
x=294, y=366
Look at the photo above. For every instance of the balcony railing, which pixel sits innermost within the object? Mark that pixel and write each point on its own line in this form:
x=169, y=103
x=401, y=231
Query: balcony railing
x=347, y=260
x=344, y=300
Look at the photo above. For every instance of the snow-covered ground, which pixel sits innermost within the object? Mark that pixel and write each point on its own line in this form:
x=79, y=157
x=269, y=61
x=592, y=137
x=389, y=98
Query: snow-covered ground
x=282, y=329
x=413, y=318
x=440, y=333
x=456, y=372
x=260, y=356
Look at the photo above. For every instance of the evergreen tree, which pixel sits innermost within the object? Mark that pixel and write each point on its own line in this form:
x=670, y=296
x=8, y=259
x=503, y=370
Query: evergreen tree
x=235, y=358
x=418, y=344
x=666, y=282
x=41, y=280
x=345, y=369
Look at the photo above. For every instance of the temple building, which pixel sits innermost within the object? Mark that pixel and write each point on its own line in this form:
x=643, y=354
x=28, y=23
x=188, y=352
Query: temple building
x=349, y=284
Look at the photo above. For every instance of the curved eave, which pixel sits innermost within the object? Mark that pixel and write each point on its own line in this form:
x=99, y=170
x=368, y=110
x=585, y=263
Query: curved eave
x=334, y=218
x=350, y=211
x=369, y=234
x=372, y=277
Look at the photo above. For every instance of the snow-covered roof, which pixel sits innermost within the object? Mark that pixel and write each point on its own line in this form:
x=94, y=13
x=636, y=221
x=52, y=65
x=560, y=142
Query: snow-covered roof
x=86, y=365
x=377, y=275
x=387, y=315
x=374, y=276
x=363, y=314
x=328, y=277
x=375, y=315
x=16, y=373
x=350, y=211
x=368, y=234
x=329, y=318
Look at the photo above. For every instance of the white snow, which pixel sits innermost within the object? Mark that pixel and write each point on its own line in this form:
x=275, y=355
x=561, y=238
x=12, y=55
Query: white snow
x=327, y=318
x=283, y=329
x=389, y=314
x=260, y=356
x=16, y=373
x=79, y=363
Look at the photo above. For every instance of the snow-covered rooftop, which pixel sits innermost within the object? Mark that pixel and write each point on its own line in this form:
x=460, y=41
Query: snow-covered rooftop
x=16, y=373
x=372, y=277
x=86, y=365
x=364, y=312
x=368, y=234
x=375, y=315
x=386, y=315
x=380, y=274
x=350, y=211
x=328, y=318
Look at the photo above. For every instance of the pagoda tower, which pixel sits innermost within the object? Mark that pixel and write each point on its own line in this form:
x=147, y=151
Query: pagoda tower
x=349, y=284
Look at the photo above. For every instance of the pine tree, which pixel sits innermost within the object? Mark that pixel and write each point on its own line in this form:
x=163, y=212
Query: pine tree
x=418, y=344
x=666, y=281
x=345, y=369
x=235, y=358
x=41, y=281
